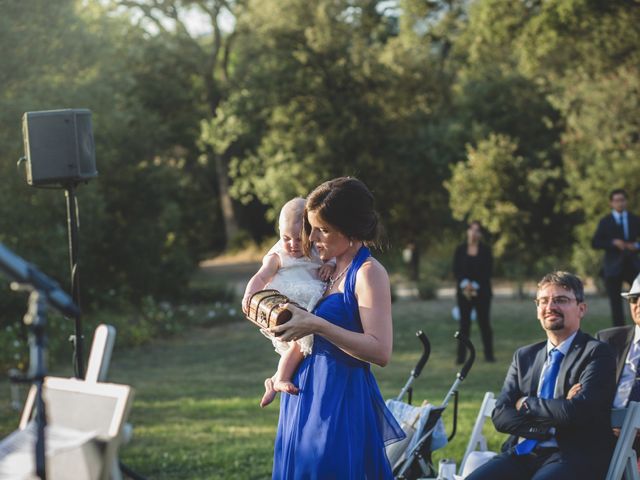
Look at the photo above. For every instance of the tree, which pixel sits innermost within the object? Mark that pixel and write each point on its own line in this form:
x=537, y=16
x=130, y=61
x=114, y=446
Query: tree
x=341, y=89
x=588, y=54
x=145, y=139
x=310, y=107
x=210, y=62
x=519, y=202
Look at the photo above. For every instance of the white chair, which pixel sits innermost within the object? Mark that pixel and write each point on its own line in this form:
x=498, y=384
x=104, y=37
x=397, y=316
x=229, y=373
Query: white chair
x=104, y=338
x=96, y=373
x=624, y=461
x=476, y=452
x=97, y=409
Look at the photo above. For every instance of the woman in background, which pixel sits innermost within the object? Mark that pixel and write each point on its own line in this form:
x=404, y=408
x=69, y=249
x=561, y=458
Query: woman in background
x=472, y=268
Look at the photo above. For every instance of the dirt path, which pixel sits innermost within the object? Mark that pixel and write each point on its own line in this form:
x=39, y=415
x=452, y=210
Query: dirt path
x=239, y=271
x=236, y=273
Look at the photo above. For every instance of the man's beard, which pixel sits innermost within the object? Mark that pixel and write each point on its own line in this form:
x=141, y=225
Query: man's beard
x=556, y=324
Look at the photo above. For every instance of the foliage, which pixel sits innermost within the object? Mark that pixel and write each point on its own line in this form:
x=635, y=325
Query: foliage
x=367, y=102
x=513, y=198
x=150, y=214
x=136, y=326
x=137, y=235
x=547, y=75
x=602, y=149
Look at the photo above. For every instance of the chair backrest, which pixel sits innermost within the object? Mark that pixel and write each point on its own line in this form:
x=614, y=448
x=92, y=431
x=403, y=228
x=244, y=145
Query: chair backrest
x=624, y=461
x=104, y=339
x=81, y=405
x=100, y=408
x=477, y=441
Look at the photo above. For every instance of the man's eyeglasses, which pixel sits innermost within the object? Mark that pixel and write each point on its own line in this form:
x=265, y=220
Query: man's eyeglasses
x=633, y=299
x=560, y=301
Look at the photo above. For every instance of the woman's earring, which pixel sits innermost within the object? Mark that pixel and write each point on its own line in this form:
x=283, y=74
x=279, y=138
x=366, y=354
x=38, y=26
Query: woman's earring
x=350, y=243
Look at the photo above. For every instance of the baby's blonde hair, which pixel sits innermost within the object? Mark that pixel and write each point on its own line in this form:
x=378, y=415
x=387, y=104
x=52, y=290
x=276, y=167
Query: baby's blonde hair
x=293, y=208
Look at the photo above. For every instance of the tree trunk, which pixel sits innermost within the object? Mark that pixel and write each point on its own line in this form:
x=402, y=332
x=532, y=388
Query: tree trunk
x=231, y=228
x=411, y=256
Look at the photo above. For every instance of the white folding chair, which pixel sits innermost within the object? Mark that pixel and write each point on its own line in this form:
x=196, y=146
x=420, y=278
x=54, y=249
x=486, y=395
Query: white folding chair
x=99, y=408
x=623, y=463
x=104, y=338
x=477, y=441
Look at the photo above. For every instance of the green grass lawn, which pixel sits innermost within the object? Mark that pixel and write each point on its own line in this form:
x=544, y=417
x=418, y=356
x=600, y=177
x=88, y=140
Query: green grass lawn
x=196, y=413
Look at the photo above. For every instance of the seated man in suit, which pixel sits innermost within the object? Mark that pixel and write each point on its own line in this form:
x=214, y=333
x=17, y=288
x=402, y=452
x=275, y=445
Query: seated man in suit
x=625, y=342
x=556, y=398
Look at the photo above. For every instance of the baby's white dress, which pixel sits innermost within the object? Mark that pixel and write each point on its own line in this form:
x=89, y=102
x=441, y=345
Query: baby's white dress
x=298, y=279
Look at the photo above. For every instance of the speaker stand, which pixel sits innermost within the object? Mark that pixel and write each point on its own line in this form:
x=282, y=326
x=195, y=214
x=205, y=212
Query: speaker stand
x=77, y=339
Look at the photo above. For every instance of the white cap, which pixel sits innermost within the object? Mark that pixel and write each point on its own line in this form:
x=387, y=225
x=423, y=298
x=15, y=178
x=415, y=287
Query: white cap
x=635, y=289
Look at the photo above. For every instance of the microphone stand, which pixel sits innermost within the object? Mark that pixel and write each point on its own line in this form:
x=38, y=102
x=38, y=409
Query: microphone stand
x=44, y=292
x=35, y=319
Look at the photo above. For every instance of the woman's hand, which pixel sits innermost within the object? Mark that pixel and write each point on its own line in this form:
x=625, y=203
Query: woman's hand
x=301, y=324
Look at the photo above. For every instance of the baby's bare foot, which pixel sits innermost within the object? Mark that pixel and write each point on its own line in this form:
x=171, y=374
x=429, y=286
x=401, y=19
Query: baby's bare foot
x=286, y=387
x=269, y=393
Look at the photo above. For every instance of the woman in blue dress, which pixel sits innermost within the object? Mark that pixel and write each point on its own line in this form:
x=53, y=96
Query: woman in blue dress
x=337, y=426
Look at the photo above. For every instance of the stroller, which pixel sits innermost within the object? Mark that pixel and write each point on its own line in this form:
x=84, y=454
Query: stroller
x=411, y=458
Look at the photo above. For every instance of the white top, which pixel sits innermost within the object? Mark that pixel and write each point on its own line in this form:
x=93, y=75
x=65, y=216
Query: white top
x=298, y=278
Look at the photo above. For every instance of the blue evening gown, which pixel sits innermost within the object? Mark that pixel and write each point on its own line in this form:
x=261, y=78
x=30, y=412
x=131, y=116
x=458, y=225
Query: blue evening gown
x=338, y=425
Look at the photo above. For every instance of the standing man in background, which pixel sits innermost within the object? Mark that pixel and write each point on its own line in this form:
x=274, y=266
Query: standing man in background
x=617, y=234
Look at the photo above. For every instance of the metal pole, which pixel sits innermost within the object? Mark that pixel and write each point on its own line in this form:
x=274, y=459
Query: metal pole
x=72, y=227
x=35, y=319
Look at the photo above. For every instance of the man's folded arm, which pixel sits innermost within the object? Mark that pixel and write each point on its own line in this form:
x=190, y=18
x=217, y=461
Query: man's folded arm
x=595, y=397
x=507, y=419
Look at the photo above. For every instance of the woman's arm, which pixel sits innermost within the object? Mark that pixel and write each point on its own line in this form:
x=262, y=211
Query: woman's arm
x=375, y=344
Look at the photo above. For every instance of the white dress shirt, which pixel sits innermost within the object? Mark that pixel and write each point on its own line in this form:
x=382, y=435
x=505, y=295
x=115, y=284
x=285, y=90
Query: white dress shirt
x=622, y=219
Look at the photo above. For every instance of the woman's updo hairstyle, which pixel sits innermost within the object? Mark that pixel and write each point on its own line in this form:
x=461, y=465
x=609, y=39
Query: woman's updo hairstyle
x=346, y=204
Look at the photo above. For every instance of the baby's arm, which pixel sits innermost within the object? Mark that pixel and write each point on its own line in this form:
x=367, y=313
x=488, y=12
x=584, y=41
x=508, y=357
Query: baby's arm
x=270, y=265
x=326, y=270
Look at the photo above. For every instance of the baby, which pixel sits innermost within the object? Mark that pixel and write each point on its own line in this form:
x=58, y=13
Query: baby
x=302, y=279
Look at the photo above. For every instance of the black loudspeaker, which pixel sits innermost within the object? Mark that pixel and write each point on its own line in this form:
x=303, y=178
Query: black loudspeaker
x=59, y=147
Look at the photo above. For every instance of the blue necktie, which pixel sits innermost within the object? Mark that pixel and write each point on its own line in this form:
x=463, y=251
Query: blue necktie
x=547, y=390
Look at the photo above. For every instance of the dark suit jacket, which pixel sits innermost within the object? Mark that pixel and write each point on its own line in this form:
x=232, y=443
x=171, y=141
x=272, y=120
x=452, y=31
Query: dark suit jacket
x=619, y=339
x=582, y=424
x=608, y=230
x=479, y=270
